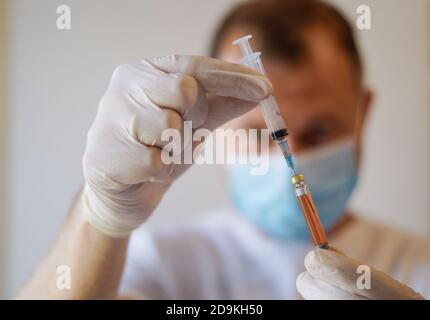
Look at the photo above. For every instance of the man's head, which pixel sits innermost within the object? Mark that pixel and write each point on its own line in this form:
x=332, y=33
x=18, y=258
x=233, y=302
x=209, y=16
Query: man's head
x=311, y=57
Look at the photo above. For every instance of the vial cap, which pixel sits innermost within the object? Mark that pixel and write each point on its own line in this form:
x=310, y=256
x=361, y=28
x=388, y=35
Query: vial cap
x=297, y=178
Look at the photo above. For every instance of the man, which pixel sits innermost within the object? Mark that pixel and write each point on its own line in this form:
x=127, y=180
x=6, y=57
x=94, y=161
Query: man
x=256, y=249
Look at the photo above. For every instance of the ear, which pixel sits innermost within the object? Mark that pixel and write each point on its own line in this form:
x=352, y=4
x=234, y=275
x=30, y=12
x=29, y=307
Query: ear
x=367, y=101
x=365, y=105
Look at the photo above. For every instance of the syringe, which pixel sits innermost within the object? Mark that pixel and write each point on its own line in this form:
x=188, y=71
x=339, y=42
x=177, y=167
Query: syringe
x=278, y=130
x=269, y=108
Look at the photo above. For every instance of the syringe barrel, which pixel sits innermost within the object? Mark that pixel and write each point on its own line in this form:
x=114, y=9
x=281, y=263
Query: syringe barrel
x=269, y=107
x=253, y=61
x=272, y=115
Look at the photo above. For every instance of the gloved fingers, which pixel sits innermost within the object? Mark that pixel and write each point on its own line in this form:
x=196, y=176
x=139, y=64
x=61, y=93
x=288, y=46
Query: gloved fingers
x=218, y=77
x=153, y=88
x=355, y=277
x=124, y=161
x=311, y=288
x=223, y=109
x=179, y=92
x=198, y=112
x=174, y=91
x=147, y=122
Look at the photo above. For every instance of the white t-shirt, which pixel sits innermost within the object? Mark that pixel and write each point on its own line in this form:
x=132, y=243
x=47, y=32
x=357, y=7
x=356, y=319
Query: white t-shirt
x=225, y=256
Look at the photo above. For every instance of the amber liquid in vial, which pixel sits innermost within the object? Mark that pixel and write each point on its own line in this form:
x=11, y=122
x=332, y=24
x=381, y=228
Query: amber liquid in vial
x=312, y=219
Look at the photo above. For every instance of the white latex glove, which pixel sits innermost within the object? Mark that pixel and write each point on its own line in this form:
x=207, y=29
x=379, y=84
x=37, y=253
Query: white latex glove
x=125, y=176
x=331, y=275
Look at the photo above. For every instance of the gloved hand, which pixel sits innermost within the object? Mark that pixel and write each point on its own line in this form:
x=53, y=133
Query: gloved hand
x=124, y=172
x=332, y=275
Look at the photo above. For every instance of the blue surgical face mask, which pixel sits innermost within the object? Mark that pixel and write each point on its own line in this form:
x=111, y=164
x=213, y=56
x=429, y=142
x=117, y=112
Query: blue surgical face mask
x=269, y=200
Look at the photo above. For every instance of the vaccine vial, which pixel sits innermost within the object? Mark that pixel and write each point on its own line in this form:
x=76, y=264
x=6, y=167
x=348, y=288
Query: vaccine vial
x=309, y=211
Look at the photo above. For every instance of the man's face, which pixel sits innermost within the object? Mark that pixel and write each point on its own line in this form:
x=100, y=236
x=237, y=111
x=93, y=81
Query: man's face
x=321, y=98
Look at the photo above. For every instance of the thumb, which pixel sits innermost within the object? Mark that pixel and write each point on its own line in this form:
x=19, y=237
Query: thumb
x=224, y=109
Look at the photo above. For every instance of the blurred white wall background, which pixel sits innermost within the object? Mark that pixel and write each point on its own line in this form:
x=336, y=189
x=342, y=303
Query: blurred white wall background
x=3, y=138
x=57, y=77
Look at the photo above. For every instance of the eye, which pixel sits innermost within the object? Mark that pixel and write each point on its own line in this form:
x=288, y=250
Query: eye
x=318, y=133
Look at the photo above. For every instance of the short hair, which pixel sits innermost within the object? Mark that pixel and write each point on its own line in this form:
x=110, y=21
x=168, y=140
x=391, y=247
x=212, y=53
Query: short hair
x=281, y=24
